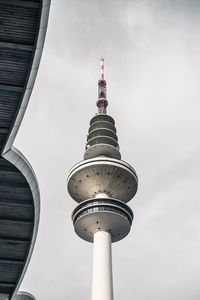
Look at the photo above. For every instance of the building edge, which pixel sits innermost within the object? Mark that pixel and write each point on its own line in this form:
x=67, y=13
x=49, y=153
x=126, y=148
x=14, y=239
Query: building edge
x=38, y=48
x=13, y=155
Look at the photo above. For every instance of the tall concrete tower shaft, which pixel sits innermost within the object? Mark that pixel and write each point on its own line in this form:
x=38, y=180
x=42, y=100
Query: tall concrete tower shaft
x=102, y=184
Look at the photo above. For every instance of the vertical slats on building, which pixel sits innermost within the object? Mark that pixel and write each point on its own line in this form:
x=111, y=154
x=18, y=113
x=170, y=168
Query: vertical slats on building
x=19, y=25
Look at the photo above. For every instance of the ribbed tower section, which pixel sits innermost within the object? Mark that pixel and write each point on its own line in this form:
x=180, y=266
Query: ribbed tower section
x=102, y=184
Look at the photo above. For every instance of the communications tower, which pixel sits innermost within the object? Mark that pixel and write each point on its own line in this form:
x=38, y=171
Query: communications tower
x=102, y=184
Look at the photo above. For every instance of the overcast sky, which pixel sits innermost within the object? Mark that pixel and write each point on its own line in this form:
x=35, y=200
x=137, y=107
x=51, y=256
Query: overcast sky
x=152, y=68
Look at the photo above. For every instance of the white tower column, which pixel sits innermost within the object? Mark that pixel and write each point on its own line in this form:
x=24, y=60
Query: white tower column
x=102, y=283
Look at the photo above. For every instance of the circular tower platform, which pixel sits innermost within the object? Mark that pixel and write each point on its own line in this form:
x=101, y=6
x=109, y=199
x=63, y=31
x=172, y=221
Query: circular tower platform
x=102, y=214
x=113, y=177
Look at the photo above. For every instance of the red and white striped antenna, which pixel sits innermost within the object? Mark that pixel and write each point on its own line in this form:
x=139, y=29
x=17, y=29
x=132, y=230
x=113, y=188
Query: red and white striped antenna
x=102, y=68
x=102, y=102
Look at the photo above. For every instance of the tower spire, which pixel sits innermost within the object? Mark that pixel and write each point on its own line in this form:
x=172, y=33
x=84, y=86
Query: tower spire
x=102, y=103
x=102, y=68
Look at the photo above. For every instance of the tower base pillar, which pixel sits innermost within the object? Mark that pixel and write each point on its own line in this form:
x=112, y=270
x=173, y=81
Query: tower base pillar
x=102, y=283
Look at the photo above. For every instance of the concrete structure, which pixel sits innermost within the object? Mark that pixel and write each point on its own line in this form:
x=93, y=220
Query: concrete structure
x=23, y=296
x=22, y=33
x=102, y=184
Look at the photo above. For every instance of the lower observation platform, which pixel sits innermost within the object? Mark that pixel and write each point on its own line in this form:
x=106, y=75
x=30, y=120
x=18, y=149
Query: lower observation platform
x=102, y=214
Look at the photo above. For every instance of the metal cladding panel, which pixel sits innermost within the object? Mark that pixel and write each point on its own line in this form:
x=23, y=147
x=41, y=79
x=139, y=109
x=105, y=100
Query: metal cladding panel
x=9, y=270
x=16, y=229
x=6, y=289
x=14, y=64
x=6, y=166
x=18, y=22
x=13, y=249
x=8, y=106
x=19, y=27
x=16, y=211
x=17, y=218
x=12, y=178
x=10, y=191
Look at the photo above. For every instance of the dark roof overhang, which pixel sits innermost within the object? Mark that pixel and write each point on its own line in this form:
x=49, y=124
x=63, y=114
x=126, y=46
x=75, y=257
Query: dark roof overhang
x=23, y=26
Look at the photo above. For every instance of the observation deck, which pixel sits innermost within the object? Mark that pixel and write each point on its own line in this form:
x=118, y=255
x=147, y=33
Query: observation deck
x=102, y=183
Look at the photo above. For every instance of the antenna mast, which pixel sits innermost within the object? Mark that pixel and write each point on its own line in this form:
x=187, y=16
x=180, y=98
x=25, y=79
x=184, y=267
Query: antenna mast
x=102, y=103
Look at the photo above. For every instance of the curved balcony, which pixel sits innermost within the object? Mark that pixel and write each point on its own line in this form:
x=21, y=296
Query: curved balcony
x=102, y=214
